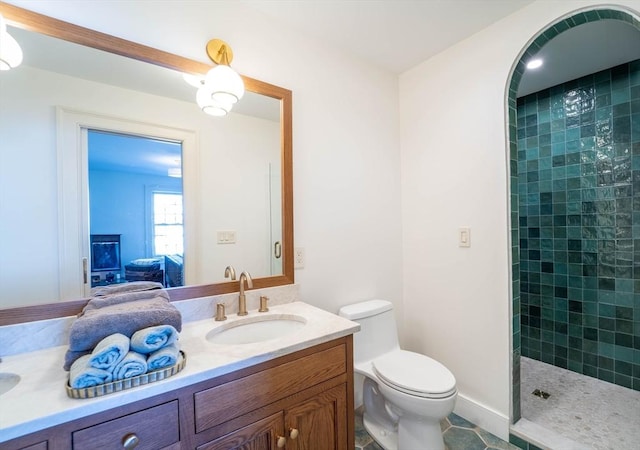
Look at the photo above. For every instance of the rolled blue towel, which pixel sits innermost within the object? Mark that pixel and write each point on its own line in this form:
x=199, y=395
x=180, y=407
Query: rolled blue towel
x=165, y=357
x=82, y=375
x=132, y=365
x=109, y=352
x=71, y=356
x=150, y=339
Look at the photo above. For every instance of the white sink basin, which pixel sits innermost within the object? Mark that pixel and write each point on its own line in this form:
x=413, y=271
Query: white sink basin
x=256, y=329
x=8, y=381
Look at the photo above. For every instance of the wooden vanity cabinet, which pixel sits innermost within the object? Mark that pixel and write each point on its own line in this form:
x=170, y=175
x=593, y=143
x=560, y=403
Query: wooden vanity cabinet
x=307, y=398
x=317, y=423
x=299, y=401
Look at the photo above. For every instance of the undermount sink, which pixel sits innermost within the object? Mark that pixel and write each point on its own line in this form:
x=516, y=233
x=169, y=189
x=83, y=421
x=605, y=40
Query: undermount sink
x=8, y=381
x=256, y=329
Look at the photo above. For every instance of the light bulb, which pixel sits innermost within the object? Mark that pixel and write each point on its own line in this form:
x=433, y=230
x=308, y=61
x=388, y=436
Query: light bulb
x=534, y=63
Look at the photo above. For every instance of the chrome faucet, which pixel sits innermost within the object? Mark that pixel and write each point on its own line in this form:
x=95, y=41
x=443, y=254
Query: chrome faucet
x=229, y=271
x=242, y=300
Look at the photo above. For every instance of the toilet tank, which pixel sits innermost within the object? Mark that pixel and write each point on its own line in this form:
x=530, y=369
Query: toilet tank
x=378, y=333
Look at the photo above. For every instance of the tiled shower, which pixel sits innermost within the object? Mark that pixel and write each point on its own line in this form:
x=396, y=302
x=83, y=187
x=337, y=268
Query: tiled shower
x=579, y=220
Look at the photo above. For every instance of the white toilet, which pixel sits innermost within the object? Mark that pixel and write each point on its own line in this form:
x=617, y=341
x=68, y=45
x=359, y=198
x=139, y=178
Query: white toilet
x=405, y=394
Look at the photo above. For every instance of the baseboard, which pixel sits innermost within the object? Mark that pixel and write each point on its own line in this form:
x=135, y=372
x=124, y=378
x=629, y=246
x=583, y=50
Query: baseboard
x=543, y=437
x=483, y=416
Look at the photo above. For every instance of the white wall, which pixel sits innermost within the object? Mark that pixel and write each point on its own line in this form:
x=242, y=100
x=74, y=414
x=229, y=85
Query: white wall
x=454, y=174
x=345, y=133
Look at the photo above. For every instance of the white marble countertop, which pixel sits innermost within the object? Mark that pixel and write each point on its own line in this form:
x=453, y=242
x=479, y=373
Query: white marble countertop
x=40, y=399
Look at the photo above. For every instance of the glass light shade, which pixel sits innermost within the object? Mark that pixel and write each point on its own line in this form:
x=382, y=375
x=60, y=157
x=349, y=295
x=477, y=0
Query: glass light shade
x=209, y=105
x=10, y=51
x=225, y=84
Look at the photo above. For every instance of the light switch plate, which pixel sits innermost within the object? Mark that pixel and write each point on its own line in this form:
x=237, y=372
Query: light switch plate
x=227, y=237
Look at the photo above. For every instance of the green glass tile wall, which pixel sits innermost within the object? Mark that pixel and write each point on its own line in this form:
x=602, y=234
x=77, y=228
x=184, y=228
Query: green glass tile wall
x=578, y=202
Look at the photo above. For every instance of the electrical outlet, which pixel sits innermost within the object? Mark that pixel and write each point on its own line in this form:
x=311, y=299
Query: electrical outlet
x=298, y=258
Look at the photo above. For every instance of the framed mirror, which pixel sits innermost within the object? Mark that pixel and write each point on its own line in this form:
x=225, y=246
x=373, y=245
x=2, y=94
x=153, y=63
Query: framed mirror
x=207, y=195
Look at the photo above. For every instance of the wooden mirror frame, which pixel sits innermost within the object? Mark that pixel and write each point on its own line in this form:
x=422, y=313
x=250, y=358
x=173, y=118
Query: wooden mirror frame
x=39, y=23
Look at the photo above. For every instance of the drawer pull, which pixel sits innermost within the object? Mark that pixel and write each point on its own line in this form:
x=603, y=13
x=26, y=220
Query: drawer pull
x=281, y=441
x=293, y=433
x=130, y=441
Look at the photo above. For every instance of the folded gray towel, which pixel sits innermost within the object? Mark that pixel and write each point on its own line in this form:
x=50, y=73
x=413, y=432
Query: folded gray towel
x=82, y=375
x=125, y=287
x=150, y=339
x=109, y=352
x=165, y=357
x=125, y=318
x=132, y=365
x=124, y=297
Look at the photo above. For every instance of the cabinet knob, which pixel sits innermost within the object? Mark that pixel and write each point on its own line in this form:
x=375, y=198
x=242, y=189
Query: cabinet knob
x=293, y=433
x=130, y=441
x=281, y=441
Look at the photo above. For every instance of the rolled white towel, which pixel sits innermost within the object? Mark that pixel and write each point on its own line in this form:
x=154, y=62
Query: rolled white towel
x=109, y=352
x=148, y=340
x=165, y=357
x=132, y=365
x=82, y=375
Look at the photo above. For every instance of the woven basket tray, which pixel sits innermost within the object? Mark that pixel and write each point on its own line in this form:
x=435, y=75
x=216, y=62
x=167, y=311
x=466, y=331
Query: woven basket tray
x=122, y=385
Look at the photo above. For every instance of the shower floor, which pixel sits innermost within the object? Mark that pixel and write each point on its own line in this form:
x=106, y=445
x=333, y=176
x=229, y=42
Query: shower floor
x=592, y=413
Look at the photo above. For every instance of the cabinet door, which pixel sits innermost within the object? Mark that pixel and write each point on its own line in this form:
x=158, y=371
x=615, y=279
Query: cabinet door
x=319, y=423
x=260, y=435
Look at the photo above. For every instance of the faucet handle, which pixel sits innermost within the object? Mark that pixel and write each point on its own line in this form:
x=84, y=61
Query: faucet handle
x=220, y=316
x=263, y=303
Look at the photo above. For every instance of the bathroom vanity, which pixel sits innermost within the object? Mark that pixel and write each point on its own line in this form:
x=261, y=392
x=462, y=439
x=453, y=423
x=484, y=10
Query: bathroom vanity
x=291, y=392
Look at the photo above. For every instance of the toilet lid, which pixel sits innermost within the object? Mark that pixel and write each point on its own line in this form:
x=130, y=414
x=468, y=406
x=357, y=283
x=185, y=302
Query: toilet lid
x=415, y=374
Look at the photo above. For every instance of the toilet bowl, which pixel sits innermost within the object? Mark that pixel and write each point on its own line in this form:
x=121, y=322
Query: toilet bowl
x=405, y=394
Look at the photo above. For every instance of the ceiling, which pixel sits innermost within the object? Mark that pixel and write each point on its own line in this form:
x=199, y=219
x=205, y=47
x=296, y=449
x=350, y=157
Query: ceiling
x=581, y=51
x=397, y=35
x=392, y=34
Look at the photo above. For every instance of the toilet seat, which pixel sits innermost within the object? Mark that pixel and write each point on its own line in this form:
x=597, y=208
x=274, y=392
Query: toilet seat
x=415, y=374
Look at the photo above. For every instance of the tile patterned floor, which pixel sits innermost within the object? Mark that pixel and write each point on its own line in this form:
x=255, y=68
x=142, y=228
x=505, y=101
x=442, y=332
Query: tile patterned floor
x=458, y=434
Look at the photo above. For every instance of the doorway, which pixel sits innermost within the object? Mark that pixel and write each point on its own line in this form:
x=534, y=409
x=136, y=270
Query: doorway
x=574, y=272
x=76, y=208
x=135, y=199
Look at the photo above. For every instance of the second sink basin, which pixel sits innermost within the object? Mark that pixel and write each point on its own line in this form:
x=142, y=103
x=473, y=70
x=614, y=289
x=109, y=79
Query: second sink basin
x=256, y=329
x=8, y=381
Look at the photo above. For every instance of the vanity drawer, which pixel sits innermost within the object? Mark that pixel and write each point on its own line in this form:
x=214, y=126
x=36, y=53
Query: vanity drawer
x=235, y=398
x=155, y=427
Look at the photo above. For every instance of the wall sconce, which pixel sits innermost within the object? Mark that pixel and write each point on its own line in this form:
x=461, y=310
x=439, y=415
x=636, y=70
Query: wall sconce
x=10, y=51
x=222, y=87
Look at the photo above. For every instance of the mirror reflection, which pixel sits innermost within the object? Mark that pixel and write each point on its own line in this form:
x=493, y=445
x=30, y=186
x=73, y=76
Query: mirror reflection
x=136, y=216
x=231, y=174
